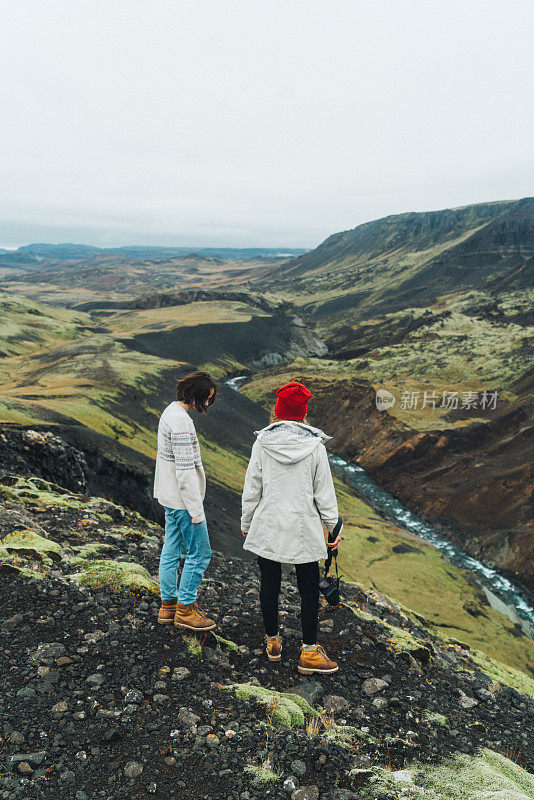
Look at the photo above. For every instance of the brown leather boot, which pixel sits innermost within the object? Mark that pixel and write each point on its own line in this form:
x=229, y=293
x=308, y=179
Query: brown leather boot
x=166, y=612
x=192, y=617
x=316, y=661
x=273, y=648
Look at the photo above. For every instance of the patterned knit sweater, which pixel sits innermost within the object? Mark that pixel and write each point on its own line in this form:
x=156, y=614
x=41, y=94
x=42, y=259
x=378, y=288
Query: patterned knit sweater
x=179, y=480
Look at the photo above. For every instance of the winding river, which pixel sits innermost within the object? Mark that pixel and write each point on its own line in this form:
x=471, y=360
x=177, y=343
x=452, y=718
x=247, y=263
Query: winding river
x=501, y=593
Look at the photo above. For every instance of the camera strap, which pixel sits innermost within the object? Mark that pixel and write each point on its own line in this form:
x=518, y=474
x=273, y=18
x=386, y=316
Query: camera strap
x=332, y=554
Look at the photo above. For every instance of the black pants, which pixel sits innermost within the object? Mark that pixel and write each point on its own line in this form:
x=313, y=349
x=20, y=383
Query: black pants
x=308, y=586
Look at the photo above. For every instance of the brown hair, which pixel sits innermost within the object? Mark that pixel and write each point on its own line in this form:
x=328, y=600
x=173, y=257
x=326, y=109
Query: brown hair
x=195, y=389
x=274, y=418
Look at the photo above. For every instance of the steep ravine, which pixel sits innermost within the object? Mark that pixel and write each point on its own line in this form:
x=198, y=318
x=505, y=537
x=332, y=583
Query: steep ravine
x=475, y=481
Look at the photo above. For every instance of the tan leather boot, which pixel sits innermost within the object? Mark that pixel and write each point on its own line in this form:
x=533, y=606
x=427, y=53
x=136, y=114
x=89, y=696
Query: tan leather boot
x=192, y=617
x=166, y=612
x=273, y=648
x=315, y=661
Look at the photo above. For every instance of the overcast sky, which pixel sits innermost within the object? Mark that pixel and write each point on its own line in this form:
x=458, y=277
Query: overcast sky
x=254, y=123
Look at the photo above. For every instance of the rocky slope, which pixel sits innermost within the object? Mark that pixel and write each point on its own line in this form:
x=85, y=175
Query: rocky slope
x=410, y=259
x=99, y=701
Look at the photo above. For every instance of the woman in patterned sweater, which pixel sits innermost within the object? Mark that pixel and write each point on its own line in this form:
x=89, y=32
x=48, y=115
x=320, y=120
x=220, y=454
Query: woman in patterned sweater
x=180, y=487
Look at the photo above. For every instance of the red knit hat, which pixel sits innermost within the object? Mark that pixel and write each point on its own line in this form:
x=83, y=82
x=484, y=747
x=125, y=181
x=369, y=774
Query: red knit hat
x=292, y=401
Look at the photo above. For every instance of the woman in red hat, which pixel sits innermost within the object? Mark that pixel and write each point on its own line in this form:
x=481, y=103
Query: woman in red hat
x=287, y=496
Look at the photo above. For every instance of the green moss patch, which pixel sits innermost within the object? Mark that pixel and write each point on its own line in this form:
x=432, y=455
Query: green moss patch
x=486, y=776
x=117, y=576
x=400, y=641
x=90, y=550
x=260, y=777
x=435, y=718
x=27, y=544
x=32, y=492
x=344, y=735
x=284, y=708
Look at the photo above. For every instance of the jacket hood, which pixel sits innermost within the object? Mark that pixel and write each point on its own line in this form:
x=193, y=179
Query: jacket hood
x=289, y=442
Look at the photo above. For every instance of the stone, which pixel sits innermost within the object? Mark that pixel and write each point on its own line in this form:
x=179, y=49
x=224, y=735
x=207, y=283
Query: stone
x=133, y=769
x=64, y=661
x=95, y=680
x=298, y=767
x=33, y=759
x=380, y=703
x=60, y=708
x=133, y=696
x=290, y=784
x=334, y=703
x=306, y=793
x=24, y=768
x=466, y=701
x=180, y=674
x=187, y=718
x=67, y=776
x=26, y=693
x=311, y=691
x=478, y=728
x=48, y=652
x=373, y=685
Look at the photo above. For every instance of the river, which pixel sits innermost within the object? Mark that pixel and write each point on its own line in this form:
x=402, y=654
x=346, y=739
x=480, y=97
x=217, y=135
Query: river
x=501, y=593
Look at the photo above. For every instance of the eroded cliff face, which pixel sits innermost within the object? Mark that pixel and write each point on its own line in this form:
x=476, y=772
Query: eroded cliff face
x=475, y=481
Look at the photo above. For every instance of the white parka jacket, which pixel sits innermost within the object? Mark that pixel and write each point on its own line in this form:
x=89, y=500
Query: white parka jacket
x=288, y=494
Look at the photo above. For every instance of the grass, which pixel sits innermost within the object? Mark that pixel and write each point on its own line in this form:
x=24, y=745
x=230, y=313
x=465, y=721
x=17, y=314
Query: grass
x=225, y=644
x=424, y=582
x=193, y=645
x=501, y=673
x=222, y=465
x=131, y=321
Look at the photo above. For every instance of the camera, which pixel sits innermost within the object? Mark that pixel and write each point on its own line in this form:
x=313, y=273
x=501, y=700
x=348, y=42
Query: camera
x=329, y=586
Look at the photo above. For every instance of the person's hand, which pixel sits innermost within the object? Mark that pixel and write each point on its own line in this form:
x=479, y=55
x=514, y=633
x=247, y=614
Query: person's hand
x=334, y=544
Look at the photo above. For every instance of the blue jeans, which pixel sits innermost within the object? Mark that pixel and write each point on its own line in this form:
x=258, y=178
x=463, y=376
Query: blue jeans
x=183, y=539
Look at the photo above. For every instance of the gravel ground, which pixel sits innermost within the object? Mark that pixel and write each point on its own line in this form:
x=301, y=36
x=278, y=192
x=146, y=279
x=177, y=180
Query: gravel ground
x=99, y=701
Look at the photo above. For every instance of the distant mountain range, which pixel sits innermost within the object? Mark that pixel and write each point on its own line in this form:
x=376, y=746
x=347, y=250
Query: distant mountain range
x=31, y=255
